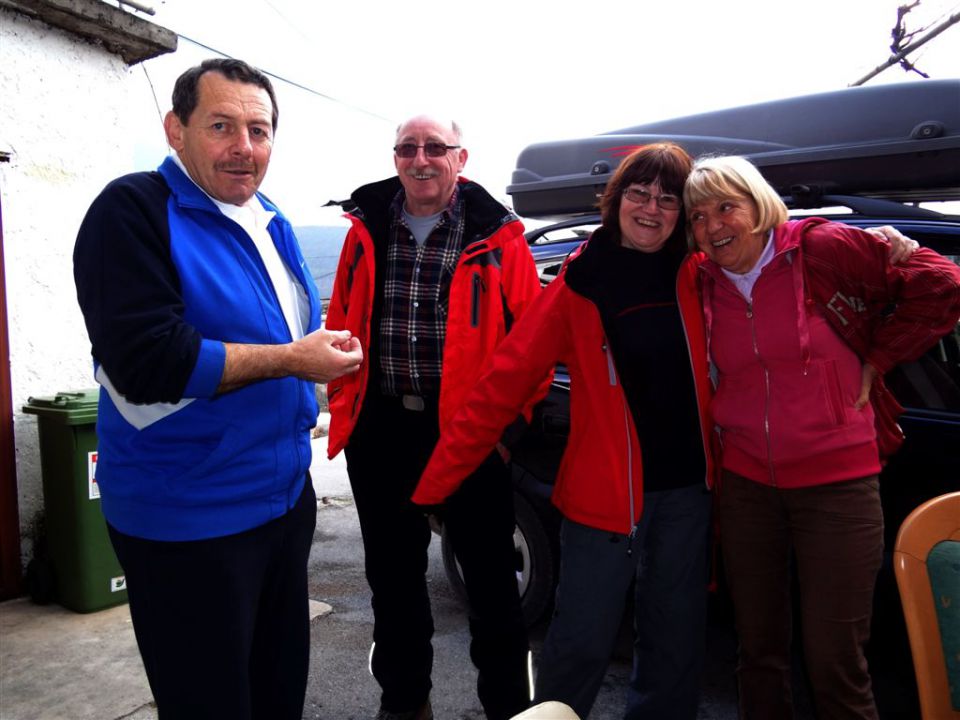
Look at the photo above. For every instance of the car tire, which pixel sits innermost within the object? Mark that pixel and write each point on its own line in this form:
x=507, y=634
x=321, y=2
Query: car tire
x=536, y=562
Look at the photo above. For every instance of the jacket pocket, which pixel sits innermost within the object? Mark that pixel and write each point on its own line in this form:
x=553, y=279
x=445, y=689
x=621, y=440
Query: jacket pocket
x=833, y=390
x=475, y=296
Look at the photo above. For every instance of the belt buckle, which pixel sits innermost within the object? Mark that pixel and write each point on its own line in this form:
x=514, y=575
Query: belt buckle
x=414, y=402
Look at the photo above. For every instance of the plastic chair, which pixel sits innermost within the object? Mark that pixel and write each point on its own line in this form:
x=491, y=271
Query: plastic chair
x=550, y=710
x=926, y=560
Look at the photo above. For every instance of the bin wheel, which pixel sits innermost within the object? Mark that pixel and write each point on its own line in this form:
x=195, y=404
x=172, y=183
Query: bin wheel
x=41, y=581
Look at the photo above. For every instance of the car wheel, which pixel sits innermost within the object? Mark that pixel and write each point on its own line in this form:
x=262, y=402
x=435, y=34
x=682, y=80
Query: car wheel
x=536, y=565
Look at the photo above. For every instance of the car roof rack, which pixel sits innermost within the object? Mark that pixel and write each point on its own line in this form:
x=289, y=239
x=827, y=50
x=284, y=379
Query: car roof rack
x=800, y=199
x=898, y=142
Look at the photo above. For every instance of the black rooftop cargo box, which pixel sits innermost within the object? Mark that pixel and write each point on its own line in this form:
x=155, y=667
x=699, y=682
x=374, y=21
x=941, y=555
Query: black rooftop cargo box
x=898, y=141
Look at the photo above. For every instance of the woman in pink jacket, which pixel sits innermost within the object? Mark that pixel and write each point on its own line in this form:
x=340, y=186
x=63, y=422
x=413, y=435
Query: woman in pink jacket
x=788, y=306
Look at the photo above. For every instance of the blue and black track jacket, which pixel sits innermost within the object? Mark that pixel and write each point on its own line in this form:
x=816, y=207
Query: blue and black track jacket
x=164, y=279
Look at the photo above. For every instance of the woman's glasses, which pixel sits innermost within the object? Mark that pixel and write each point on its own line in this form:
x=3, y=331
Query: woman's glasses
x=642, y=197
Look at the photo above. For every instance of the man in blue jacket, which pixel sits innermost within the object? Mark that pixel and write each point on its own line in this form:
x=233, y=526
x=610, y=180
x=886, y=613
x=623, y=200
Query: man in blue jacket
x=205, y=336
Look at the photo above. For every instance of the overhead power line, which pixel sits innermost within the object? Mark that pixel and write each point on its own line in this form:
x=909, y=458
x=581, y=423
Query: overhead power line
x=294, y=83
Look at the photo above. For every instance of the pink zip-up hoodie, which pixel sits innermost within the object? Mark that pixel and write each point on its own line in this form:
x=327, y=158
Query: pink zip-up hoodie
x=787, y=382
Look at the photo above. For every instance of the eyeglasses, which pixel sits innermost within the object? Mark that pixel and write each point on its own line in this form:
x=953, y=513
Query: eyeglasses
x=642, y=197
x=430, y=149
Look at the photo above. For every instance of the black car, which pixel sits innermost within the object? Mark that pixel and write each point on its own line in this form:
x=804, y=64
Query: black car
x=810, y=149
x=927, y=465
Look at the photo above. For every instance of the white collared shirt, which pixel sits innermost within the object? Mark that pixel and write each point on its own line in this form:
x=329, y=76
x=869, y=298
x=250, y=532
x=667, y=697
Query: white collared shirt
x=254, y=219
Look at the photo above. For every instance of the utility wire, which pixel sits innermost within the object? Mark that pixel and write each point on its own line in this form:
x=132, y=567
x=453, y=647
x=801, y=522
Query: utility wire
x=942, y=15
x=294, y=83
x=293, y=26
x=153, y=92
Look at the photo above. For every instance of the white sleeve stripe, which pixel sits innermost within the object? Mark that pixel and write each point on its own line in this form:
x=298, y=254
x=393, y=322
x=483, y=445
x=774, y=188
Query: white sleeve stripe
x=138, y=415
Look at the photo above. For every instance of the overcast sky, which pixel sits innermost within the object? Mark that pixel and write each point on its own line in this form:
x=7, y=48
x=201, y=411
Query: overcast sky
x=513, y=73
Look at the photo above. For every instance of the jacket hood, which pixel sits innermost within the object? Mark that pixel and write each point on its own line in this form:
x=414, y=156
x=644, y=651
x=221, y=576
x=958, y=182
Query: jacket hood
x=787, y=239
x=787, y=236
x=583, y=269
x=484, y=215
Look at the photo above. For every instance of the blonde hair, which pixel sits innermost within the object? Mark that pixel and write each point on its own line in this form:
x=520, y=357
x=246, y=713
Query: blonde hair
x=715, y=178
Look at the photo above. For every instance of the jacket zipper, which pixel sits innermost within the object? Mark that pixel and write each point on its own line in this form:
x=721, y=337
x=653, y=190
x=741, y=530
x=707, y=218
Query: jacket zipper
x=612, y=378
x=696, y=395
x=766, y=389
x=475, y=307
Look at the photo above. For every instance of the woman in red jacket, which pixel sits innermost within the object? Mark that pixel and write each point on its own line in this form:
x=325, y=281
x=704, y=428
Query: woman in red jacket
x=788, y=307
x=633, y=487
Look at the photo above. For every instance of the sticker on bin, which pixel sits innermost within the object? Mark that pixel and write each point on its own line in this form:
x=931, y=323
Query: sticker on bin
x=94, y=489
x=118, y=584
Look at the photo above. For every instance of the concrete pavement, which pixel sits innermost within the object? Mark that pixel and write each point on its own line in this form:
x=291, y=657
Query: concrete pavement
x=59, y=665
x=56, y=664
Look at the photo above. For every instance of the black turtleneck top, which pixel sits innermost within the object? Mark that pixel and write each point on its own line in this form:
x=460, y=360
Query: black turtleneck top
x=641, y=317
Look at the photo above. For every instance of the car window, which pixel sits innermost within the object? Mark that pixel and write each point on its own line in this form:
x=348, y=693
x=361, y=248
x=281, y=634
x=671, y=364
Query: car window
x=577, y=233
x=547, y=270
x=551, y=245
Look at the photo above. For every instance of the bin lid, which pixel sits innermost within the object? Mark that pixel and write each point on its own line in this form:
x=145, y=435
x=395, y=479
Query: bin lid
x=71, y=407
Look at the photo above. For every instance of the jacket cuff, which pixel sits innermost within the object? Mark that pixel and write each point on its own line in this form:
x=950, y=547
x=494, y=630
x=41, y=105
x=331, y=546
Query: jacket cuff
x=426, y=497
x=208, y=370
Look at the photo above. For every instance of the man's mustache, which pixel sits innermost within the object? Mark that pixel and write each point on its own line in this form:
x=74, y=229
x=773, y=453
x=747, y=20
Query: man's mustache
x=235, y=167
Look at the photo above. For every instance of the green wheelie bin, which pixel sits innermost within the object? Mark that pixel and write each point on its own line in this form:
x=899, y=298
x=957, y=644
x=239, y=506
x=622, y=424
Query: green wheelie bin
x=86, y=574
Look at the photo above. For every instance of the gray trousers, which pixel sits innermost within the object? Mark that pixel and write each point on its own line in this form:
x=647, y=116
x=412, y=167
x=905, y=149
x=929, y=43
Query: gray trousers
x=668, y=558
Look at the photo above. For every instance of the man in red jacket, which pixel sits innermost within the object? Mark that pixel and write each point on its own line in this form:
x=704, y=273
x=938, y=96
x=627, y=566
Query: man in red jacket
x=431, y=277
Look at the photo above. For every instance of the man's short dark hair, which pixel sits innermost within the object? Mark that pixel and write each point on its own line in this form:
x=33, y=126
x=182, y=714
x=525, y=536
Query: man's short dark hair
x=185, y=90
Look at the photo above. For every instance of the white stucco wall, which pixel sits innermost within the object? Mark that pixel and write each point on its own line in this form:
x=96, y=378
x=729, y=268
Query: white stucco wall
x=61, y=116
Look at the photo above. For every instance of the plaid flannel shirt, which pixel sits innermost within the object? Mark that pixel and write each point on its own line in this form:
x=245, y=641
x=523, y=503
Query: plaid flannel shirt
x=416, y=296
